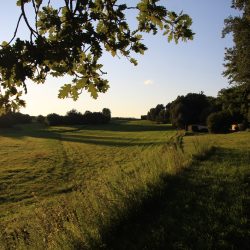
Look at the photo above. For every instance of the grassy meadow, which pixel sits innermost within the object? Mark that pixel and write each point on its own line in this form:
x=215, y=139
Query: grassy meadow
x=44, y=162
x=124, y=185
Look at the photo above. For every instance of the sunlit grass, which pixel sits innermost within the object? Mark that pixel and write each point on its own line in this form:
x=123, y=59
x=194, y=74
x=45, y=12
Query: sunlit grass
x=70, y=187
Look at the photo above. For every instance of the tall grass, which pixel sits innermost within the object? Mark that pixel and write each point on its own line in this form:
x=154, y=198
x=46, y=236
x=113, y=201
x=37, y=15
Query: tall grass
x=79, y=220
x=203, y=147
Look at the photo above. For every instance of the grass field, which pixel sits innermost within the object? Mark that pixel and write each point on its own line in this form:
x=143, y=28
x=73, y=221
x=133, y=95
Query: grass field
x=73, y=187
x=39, y=162
x=206, y=206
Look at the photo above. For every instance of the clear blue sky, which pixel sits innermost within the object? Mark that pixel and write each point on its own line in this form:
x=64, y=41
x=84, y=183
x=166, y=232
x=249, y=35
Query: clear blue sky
x=164, y=72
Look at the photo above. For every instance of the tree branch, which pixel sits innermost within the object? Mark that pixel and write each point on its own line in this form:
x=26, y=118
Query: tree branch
x=33, y=32
x=18, y=22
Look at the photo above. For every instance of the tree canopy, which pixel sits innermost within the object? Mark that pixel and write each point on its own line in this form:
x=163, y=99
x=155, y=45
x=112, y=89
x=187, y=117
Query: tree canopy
x=68, y=37
x=230, y=99
x=192, y=108
x=237, y=58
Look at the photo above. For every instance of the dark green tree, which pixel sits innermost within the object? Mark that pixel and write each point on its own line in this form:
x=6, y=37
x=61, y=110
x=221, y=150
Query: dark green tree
x=237, y=58
x=73, y=117
x=157, y=114
x=68, y=37
x=219, y=122
x=190, y=109
x=178, y=113
x=230, y=99
x=40, y=119
x=106, y=112
x=12, y=118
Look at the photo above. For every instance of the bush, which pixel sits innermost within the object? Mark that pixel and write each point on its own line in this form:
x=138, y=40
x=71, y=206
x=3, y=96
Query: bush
x=219, y=122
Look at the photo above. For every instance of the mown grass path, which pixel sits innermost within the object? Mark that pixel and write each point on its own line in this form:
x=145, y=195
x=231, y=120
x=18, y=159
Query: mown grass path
x=204, y=207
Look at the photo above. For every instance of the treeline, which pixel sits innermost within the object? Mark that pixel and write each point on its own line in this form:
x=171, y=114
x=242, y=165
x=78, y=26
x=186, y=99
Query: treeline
x=217, y=113
x=13, y=118
x=184, y=110
x=73, y=117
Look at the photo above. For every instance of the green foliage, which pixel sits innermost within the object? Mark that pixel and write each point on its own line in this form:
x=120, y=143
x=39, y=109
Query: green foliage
x=158, y=114
x=12, y=118
x=237, y=58
x=219, y=122
x=232, y=100
x=107, y=113
x=184, y=110
x=73, y=117
x=70, y=40
x=40, y=119
x=191, y=109
x=55, y=119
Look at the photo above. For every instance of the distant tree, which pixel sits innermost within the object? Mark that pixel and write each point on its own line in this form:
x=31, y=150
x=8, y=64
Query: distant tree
x=107, y=114
x=74, y=117
x=98, y=118
x=212, y=106
x=55, y=119
x=11, y=118
x=87, y=112
x=179, y=114
x=151, y=114
x=69, y=37
x=6, y=120
x=190, y=109
x=40, y=119
x=157, y=114
x=237, y=58
x=167, y=114
x=231, y=99
x=162, y=116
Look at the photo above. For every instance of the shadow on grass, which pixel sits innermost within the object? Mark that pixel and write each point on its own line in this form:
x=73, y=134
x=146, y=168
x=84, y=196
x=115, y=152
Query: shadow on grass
x=63, y=133
x=121, y=127
x=196, y=209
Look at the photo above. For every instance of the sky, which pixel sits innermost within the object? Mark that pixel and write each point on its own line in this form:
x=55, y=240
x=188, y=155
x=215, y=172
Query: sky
x=165, y=71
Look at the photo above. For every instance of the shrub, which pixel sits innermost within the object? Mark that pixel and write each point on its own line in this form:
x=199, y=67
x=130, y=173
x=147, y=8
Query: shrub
x=219, y=122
